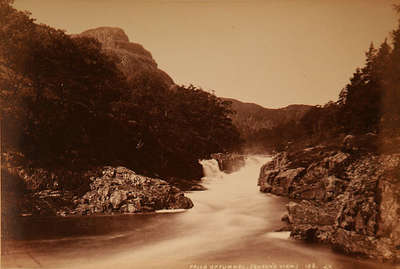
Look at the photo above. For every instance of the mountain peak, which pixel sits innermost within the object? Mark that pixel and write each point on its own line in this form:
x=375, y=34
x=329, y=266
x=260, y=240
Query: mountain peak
x=108, y=36
x=133, y=59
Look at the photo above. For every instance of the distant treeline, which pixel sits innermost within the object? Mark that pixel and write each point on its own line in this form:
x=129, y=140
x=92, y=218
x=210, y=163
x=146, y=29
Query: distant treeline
x=369, y=103
x=64, y=103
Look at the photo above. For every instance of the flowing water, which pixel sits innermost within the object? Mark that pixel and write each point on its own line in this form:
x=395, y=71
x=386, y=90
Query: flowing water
x=232, y=225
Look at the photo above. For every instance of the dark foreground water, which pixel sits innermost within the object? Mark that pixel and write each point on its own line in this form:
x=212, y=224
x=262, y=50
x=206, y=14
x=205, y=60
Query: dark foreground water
x=231, y=227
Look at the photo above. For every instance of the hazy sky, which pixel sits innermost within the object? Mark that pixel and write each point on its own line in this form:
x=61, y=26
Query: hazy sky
x=271, y=52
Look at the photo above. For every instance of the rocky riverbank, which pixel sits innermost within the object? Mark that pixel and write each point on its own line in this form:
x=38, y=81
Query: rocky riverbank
x=109, y=190
x=347, y=199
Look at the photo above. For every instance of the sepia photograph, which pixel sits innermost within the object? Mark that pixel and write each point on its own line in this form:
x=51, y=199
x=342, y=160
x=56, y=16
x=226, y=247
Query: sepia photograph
x=200, y=134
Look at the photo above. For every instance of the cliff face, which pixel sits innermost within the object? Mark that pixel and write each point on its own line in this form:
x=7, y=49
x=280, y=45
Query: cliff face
x=349, y=201
x=133, y=59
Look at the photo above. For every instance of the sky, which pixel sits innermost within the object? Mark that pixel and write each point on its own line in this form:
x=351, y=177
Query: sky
x=270, y=52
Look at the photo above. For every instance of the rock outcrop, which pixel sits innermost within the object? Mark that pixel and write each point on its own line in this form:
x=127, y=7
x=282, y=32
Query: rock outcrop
x=351, y=202
x=229, y=162
x=133, y=59
x=104, y=190
x=121, y=190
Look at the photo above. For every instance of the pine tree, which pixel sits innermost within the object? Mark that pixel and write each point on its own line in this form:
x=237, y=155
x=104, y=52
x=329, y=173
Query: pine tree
x=370, y=61
x=391, y=99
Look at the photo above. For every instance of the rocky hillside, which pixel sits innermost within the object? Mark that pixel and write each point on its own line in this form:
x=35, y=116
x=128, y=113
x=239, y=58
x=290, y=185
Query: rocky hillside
x=250, y=118
x=133, y=59
x=341, y=197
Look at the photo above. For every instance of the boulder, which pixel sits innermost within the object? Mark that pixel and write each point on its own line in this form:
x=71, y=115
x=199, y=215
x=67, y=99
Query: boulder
x=287, y=178
x=117, y=197
x=229, y=162
x=364, y=143
x=119, y=189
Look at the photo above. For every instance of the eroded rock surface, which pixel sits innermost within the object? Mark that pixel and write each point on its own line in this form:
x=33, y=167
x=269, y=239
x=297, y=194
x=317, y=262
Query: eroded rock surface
x=110, y=190
x=122, y=190
x=351, y=202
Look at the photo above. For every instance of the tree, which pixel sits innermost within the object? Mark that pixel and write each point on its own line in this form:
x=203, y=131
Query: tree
x=57, y=91
x=390, y=121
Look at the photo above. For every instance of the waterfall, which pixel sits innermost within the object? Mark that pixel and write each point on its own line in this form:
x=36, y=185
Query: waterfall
x=211, y=169
x=232, y=225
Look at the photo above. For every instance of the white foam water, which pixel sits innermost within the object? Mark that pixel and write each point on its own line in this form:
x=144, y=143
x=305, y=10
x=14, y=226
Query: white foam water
x=231, y=223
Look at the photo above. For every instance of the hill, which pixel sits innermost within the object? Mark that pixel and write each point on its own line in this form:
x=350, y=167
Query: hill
x=250, y=118
x=76, y=102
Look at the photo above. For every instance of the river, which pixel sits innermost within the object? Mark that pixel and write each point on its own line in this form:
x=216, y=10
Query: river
x=232, y=225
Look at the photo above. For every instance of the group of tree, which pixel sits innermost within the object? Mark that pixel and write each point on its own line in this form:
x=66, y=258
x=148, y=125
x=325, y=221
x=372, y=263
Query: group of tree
x=64, y=103
x=369, y=103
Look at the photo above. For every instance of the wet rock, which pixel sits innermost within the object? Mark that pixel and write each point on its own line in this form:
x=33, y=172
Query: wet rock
x=275, y=177
x=180, y=201
x=389, y=206
x=198, y=188
x=119, y=189
x=354, y=243
x=310, y=233
x=285, y=180
x=229, y=162
x=132, y=207
x=307, y=212
x=351, y=202
x=265, y=187
x=117, y=197
x=285, y=218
